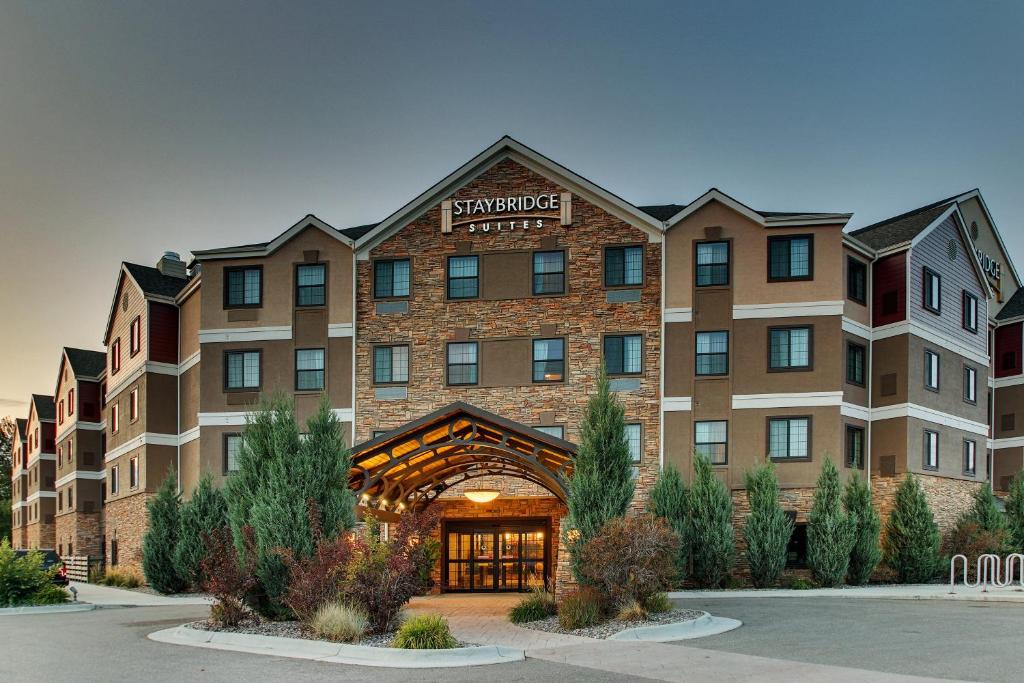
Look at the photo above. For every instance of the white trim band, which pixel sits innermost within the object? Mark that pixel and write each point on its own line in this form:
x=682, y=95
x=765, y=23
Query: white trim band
x=80, y=474
x=853, y=410
x=188, y=435
x=929, y=415
x=932, y=335
x=40, y=494
x=84, y=426
x=1001, y=382
x=860, y=329
x=146, y=439
x=1012, y=442
x=234, y=419
x=246, y=334
x=189, y=363
x=340, y=330
x=678, y=315
x=810, y=399
x=677, y=403
x=788, y=310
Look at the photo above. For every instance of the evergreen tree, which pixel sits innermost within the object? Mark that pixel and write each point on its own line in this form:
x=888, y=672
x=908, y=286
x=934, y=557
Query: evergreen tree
x=7, y=429
x=865, y=554
x=669, y=500
x=911, y=545
x=984, y=512
x=601, y=486
x=768, y=529
x=830, y=531
x=204, y=514
x=162, y=538
x=1015, y=514
x=714, y=547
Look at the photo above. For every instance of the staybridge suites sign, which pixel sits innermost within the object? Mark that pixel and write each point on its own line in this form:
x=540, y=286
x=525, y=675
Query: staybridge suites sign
x=506, y=214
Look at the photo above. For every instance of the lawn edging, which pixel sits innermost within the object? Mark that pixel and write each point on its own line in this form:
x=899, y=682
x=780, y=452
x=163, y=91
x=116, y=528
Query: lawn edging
x=47, y=609
x=340, y=653
x=704, y=625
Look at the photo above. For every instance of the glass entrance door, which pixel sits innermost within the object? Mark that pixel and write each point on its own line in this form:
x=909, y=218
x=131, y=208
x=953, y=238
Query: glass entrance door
x=482, y=556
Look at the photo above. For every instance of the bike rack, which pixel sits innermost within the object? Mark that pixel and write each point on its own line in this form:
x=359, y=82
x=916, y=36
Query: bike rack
x=988, y=571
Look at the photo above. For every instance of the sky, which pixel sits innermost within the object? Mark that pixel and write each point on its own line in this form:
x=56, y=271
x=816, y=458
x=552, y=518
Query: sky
x=128, y=129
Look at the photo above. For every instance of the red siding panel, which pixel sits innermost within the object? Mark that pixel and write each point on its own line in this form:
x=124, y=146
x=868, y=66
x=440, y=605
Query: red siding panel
x=889, y=290
x=1007, y=360
x=163, y=333
x=89, y=401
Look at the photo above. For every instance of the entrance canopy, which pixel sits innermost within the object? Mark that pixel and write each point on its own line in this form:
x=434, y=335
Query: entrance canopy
x=414, y=464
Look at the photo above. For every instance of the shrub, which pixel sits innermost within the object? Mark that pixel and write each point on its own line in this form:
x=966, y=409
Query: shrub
x=659, y=603
x=415, y=535
x=539, y=604
x=768, y=529
x=969, y=539
x=21, y=578
x=711, y=523
x=669, y=500
x=797, y=583
x=121, y=577
x=205, y=512
x=162, y=538
x=830, y=531
x=381, y=577
x=631, y=610
x=984, y=512
x=339, y=622
x=581, y=608
x=1015, y=514
x=228, y=575
x=865, y=555
x=50, y=594
x=425, y=632
x=601, y=486
x=631, y=558
x=911, y=545
x=317, y=580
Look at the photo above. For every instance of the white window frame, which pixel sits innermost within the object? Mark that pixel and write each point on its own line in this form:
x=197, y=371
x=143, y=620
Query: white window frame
x=970, y=384
x=970, y=457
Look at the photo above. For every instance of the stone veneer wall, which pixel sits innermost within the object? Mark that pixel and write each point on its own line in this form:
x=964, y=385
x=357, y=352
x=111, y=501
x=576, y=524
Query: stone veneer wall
x=797, y=500
x=947, y=498
x=84, y=530
x=40, y=535
x=126, y=521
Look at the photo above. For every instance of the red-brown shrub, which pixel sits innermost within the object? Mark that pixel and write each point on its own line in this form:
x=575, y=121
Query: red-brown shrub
x=316, y=580
x=415, y=533
x=972, y=541
x=226, y=577
x=631, y=558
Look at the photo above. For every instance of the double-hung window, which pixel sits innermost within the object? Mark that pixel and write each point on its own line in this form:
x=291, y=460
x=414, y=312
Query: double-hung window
x=549, y=272
x=623, y=266
x=309, y=369
x=115, y=356
x=855, y=354
x=462, y=363
x=970, y=314
x=115, y=484
x=790, y=258
x=115, y=418
x=789, y=348
x=970, y=384
x=548, y=360
x=623, y=354
x=463, y=277
x=311, y=284
x=133, y=472
x=789, y=438
x=133, y=405
x=854, y=447
x=932, y=291
x=856, y=280
x=712, y=264
x=634, y=441
x=931, y=450
x=242, y=370
x=970, y=457
x=232, y=446
x=391, y=279
x=931, y=370
x=135, y=337
x=711, y=440
x=712, y=353
x=71, y=402
x=243, y=287
x=391, y=364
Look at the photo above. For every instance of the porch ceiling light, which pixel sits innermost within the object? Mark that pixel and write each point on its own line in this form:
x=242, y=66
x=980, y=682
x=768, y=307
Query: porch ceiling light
x=482, y=495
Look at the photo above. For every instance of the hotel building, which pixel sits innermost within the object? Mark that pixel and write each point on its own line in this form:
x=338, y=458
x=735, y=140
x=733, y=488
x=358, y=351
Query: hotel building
x=39, y=503
x=459, y=340
x=19, y=484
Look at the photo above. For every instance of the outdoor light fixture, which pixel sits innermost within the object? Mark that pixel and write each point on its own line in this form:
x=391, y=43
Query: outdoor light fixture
x=482, y=495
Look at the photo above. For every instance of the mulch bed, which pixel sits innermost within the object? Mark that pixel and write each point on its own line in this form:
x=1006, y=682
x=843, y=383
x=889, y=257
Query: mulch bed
x=292, y=629
x=609, y=628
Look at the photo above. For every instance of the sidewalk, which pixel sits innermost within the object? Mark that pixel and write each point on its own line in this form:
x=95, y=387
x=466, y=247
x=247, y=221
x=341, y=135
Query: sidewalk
x=106, y=596
x=927, y=591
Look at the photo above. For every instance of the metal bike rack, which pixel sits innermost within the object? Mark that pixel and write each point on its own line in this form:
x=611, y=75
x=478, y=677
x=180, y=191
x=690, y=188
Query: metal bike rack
x=988, y=571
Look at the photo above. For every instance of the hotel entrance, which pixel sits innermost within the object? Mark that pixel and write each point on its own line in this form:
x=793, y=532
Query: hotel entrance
x=495, y=555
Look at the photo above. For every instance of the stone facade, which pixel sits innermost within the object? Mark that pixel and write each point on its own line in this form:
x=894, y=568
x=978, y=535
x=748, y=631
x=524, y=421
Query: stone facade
x=126, y=521
x=80, y=533
x=792, y=500
x=39, y=534
x=947, y=498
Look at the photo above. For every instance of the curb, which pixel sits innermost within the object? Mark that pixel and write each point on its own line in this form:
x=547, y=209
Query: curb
x=339, y=653
x=48, y=609
x=1015, y=597
x=704, y=625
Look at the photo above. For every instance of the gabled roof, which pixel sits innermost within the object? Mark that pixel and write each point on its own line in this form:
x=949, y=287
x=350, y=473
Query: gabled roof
x=904, y=227
x=150, y=281
x=1014, y=307
x=85, y=363
x=662, y=212
x=22, y=426
x=45, y=409
x=346, y=236
x=771, y=219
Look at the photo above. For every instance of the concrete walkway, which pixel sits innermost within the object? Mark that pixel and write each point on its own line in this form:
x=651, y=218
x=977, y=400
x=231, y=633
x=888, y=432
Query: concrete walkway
x=929, y=591
x=107, y=596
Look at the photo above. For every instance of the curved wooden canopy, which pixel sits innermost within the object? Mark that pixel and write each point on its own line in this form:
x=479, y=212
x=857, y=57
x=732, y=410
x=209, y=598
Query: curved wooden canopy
x=415, y=463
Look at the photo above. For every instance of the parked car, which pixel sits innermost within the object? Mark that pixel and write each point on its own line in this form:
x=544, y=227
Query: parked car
x=50, y=559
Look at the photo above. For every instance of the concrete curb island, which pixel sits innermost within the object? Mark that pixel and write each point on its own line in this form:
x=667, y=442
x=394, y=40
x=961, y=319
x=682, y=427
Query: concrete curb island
x=704, y=625
x=47, y=609
x=337, y=652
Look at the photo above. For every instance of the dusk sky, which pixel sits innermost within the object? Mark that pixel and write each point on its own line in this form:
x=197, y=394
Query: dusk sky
x=127, y=129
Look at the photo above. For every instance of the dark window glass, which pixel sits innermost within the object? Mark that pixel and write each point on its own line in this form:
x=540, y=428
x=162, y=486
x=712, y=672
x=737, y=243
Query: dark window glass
x=548, y=360
x=242, y=369
x=310, y=289
x=790, y=258
x=549, y=272
x=242, y=286
x=854, y=447
x=463, y=277
x=789, y=348
x=931, y=450
x=391, y=278
x=623, y=266
x=789, y=437
x=622, y=354
x=931, y=370
x=556, y=431
x=391, y=364
x=634, y=441
x=712, y=264
x=309, y=369
x=932, y=293
x=232, y=446
x=712, y=353
x=970, y=384
x=970, y=313
x=856, y=280
x=462, y=363
x=855, y=363
x=970, y=457
x=711, y=439
x=796, y=550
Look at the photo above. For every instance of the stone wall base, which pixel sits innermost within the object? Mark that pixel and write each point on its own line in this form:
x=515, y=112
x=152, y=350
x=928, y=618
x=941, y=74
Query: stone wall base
x=40, y=535
x=126, y=523
x=80, y=533
x=947, y=498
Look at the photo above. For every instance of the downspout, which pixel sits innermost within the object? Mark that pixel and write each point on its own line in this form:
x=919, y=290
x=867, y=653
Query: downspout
x=871, y=364
x=177, y=403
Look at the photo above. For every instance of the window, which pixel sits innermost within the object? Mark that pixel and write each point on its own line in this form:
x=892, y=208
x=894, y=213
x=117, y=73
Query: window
x=622, y=354
x=548, y=360
x=115, y=356
x=970, y=457
x=310, y=284
x=463, y=277
x=135, y=337
x=970, y=314
x=789, y=437
x=790, y=258
x=243, y=287
x=931, y=370
x=789, y=348
x=932, y=294
x=970, y=384
x=557, y=431
x=391, y=364
x=133, y=405
x=711, y=439
x=114, y=483
x=60, y=412
x=71, y=402
x=115, y=414
x=712, y=353
x=856, y=280
x=462, y=366
x=377, y=433
x=854, y=447
x=712, y=264
x=242, y=370
x=855, y=363
x=391, y=279
x=931, y=450
x=309, y=369
x=623, y=266
x=549, y=272
x=232, y=445
x=71, y=500
x=634, y=440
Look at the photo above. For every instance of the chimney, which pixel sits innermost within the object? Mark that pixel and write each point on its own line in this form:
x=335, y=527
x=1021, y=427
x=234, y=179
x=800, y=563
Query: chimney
x=171, y=265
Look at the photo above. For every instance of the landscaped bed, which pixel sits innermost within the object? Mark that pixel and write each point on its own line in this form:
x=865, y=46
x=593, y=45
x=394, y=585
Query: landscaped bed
x=294, y=629
x=607, y=629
